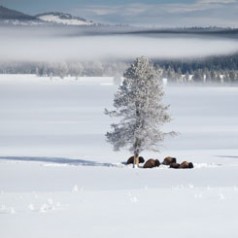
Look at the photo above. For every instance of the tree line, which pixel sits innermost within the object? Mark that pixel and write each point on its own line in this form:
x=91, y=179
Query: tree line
x=218, y=69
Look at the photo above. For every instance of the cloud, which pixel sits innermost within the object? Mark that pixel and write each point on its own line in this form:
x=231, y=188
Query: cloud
x=217, y=13
x=216, y=1
x=100, y=10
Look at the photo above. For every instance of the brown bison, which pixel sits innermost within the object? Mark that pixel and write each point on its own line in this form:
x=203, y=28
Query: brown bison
x=186, y=165
x=169, y=160
x=175, y=166
x=131, y=160
x=151, y=163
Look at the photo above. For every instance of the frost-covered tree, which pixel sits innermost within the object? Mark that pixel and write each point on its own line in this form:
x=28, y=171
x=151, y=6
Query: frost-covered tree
x=198, y=76
x=138, y=105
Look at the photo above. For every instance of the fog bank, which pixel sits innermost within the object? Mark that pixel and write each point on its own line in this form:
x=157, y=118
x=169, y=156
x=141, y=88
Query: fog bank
x=29, y=46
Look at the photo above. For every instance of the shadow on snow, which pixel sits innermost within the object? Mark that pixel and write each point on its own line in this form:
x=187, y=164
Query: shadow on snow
x=57, y=160
x=228, y=156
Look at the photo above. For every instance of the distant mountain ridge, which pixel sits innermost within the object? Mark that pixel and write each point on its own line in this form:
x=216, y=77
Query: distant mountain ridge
x=11, y=16
x=8, y=14
x=63, y=18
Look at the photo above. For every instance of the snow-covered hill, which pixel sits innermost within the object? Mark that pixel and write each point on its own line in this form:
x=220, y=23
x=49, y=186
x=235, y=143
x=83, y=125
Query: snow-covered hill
x=63, y=18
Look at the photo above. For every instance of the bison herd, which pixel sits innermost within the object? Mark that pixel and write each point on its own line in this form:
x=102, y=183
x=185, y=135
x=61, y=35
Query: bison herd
x=171, y=162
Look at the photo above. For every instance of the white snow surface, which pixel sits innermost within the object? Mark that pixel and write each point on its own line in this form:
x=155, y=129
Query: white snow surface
x=60, y=178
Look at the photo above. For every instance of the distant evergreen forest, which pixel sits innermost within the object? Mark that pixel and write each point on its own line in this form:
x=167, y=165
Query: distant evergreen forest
x=210, y=69
x=213, y=69
x=217, y=63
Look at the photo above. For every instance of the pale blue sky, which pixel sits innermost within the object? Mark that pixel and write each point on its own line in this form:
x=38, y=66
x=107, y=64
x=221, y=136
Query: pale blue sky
x=161, y=13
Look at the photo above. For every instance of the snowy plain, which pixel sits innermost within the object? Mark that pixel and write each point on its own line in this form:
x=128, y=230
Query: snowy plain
x=60, y=178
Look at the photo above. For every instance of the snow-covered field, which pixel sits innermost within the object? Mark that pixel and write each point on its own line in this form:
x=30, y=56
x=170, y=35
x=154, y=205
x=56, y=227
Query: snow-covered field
x=59, y=177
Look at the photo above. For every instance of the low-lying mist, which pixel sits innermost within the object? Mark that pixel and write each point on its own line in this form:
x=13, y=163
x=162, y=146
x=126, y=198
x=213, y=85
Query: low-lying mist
x=32, y=45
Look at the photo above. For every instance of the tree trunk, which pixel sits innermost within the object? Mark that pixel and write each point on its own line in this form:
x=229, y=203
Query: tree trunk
x=136, y=153
x=136, y=161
